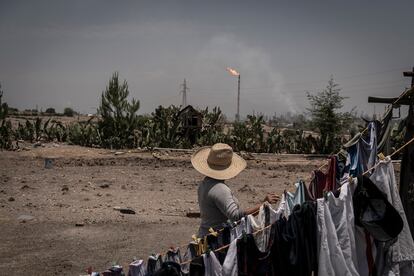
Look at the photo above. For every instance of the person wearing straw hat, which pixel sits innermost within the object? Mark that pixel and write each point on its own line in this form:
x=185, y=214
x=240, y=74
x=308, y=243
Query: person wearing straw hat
x=216, y=201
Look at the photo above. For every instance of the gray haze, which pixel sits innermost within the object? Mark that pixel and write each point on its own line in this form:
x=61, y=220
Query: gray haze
x=62, y=53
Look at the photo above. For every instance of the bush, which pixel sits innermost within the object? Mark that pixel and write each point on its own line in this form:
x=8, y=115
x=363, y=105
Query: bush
x=50, y=111
x=68, y=112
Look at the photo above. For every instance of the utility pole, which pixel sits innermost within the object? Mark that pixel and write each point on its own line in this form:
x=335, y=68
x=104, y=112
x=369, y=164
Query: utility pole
x=184, y=91
x=407, y=162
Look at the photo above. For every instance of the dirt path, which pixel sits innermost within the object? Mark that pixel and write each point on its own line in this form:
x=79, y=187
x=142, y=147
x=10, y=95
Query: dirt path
x=39, y=207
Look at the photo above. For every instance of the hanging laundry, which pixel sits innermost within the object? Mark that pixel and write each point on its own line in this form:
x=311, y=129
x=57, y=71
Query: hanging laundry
x=384, y=130
x=230, y=263
x=363, y=151
x=250, y=260
x=169, y=269
x=343, y=164
x=173, y=255
x=137, y=268
x=331, y=260
x=280, y=247
x=212, y=265
x=237, y=231
x=324, y=182
x=115, y=270
x=197, y=267
x=374, y=213
x=153, y=264
x=300, y=196
x=300, y=240
x=191, y=253
x=341, y=213
x=267, y=216
x=401, y=253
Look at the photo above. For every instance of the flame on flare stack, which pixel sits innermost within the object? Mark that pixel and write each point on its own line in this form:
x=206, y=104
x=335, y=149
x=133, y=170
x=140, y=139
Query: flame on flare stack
x=233, y=72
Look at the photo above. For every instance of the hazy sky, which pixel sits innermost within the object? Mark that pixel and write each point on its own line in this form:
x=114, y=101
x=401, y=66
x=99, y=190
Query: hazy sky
x=62, y=53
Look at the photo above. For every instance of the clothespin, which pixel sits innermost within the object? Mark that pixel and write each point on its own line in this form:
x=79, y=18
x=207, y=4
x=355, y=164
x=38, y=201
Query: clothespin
x=195, y=239
x=212, y=232
x=231, y=223
x=381, y=156
x=351, y=180
x=325, y=195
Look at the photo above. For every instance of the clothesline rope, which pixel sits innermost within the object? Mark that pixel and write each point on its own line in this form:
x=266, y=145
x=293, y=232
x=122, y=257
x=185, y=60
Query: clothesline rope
x=209, y=234
x=227, y=245
x=366, y=128
x=391, y=155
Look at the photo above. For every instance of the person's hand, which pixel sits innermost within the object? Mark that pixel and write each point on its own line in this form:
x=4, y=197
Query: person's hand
x=271, y=198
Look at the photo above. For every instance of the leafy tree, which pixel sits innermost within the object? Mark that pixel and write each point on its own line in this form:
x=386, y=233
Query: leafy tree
x=68, y=112
x=119, y=118
x=326, y=117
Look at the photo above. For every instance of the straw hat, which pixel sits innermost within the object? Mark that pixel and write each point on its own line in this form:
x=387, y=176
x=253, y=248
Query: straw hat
x=218, y=162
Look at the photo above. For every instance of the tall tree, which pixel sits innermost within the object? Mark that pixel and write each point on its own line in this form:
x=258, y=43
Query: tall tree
x=119, y=118
x=326, y=116
x=4, y=108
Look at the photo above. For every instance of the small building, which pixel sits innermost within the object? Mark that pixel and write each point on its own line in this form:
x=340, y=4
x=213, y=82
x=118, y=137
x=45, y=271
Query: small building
x=190, y=117
x=191, y=122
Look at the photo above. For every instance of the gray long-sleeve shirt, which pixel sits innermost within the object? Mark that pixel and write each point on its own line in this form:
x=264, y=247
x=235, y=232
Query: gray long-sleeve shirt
x=217, y=205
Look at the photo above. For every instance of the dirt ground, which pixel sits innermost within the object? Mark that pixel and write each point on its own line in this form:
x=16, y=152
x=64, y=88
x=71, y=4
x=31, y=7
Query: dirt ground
x=40, y=207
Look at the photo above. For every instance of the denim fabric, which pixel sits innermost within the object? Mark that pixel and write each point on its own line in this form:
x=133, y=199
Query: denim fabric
x=363, y=152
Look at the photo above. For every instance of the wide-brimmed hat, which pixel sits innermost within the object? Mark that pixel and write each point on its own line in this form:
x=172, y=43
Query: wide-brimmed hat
x=218, y=162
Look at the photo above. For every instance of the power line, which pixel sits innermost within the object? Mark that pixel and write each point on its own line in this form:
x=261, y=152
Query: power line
x=308, y=82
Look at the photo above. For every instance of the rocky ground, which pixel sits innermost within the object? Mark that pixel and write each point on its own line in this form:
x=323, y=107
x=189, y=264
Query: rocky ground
x=61, y=220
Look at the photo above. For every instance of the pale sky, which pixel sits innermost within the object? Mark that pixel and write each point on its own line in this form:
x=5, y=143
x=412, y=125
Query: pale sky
x=62, y=53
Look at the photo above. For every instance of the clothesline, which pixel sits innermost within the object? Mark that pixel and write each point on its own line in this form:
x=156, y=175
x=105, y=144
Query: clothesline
x=391, y=155
x=220, y=230
x=227, y=245
x=266, y=227
x=209, y=234
x=366, y=128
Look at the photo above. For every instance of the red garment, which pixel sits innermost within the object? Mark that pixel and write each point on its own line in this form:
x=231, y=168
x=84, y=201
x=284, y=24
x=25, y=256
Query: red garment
x=331, y=184
x=324, y=182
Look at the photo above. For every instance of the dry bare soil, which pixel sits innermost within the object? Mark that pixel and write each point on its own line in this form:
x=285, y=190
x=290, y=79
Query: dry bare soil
x=61, y=220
